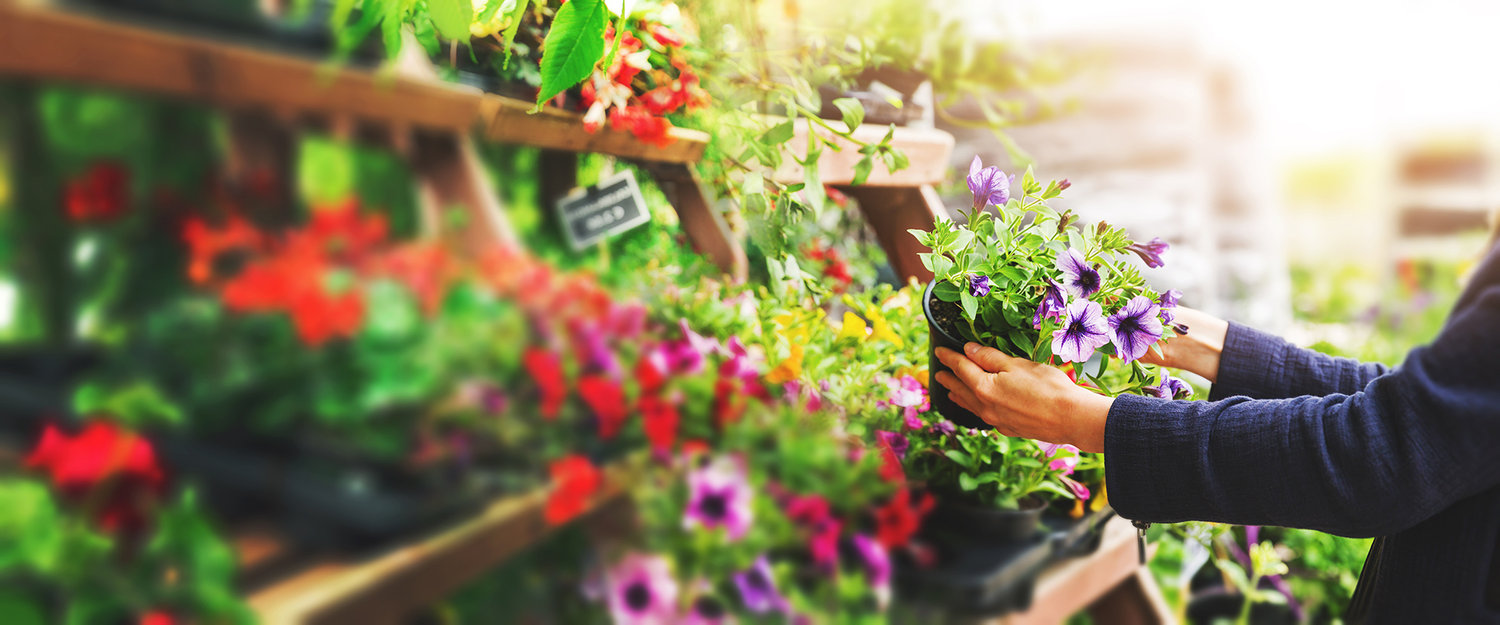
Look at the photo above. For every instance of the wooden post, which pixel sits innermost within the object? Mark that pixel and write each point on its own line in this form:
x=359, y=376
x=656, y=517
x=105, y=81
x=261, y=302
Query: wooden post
x=705, y=227
x=449, y=174
x=891, y=211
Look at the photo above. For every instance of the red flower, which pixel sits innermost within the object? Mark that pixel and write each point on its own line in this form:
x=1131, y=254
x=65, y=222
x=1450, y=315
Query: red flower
x=897, y=521
x=808, y=510
x=665, y=36
x=206, y=243
x=341, y=231
x=664, y=99
x=695, y=447
x=607, y=399
x=650, y=374
x=890, y=466
x=574, y=481
x=641, y=123
x=320, y=316
x=100, y=193
x=102, y=456
x=729, y=402
x=546, y=370
x=158, y=617
x=660, y=420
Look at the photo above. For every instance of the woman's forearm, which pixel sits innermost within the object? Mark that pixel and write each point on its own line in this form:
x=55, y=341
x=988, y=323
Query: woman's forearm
x=1199, y=350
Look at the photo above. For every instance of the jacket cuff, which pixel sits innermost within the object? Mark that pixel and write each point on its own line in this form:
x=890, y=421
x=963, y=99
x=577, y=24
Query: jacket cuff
x=1251, y=364
x=1145, y=443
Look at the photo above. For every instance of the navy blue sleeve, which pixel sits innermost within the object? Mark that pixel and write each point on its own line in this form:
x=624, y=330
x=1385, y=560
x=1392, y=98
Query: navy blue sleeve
x=1263, y=366
x=1370, y=463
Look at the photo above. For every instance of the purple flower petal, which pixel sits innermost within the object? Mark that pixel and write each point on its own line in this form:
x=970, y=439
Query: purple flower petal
x=1078, y=277
x=1135, y=327
x=1082, y=332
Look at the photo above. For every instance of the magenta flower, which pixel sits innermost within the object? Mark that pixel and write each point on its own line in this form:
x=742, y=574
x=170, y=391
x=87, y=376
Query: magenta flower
x=720, y=496
x=641, y=591
x=877, y=564
x=1078, y=277
x=1150, y=252
x=979, y=286
x=1135, y=327
x=1063, y=457
x=907, y=393
x=946, y=427
x=896, y=441
x=1079, y=490
x=988, y=184
x=593, y=343
x=1083, y=331
x=1170, y=388
x=1052, y=306
x=757, y=587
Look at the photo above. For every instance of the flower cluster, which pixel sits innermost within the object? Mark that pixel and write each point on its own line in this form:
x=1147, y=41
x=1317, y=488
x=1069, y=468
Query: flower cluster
x=649, y=79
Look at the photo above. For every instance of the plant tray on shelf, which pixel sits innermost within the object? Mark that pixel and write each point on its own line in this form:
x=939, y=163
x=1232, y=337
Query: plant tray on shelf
x=990, y=577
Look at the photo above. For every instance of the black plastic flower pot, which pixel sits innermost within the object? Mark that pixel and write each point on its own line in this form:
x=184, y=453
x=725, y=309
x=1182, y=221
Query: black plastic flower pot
x=1219, y=605
x=1078, y=537
x=955, y=521
x=940, y=314
x=976, y=578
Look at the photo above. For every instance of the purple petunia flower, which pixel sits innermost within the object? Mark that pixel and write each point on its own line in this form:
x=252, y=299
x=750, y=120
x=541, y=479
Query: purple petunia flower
x=988, y=184
x=641, y=590
x=1079, y=490
x=894, y=440
x=1083, y=331
x=1053, y=304
x=1078, y=277
x=758, y=588
x=1150, y=252
x=1135, y=327
x=877, y=565
x=979, y=286
x=946, y=427
x=720, y=496
x=1064, y=185
x=1170, y=388
x=1169, y=299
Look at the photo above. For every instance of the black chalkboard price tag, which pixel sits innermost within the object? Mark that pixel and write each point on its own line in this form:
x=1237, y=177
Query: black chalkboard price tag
x=596, y=212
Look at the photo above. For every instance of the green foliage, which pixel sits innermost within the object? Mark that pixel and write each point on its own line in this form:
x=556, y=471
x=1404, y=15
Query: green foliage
x=573, y=46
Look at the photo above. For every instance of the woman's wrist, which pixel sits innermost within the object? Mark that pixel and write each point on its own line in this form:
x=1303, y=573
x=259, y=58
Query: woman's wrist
x=1090, y=413
x=1200, y=350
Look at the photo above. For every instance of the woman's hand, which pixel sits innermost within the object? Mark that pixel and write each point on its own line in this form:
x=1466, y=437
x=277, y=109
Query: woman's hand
x=1197, y=351
x=1024, y=398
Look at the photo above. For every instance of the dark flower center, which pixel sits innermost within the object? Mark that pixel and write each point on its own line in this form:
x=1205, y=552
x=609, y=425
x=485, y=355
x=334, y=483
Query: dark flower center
x=757, y=581
x=1130, y=325
x=637, y=596
x=709, y=608
x=714, y=507
x=1077, y=328
x=1088, y=280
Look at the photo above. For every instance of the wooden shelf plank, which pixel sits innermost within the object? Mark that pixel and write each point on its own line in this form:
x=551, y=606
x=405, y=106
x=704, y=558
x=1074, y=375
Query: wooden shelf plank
x=505, y=120
x=43, y=43
x=386, y=588
x=928, y=149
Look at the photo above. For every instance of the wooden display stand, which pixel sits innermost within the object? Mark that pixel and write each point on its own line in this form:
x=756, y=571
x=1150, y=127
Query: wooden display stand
x=892, y=202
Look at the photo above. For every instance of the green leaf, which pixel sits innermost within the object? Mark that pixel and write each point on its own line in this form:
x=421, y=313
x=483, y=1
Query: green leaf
x=513, y=24
x=967, y=482
x=853, y=111
x=574, y=45
x=897, y=161
x=961, y=240
x=959, y=457
x=780, y=133
x=946, y=291
x=451, y=18
x=970, y=303
x=862, y=170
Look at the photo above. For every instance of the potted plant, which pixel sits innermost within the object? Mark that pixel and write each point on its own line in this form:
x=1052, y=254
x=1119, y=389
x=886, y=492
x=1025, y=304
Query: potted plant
x=1023, y=279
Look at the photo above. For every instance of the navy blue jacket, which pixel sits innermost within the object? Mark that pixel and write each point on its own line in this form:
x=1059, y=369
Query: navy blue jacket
x=1294, y=438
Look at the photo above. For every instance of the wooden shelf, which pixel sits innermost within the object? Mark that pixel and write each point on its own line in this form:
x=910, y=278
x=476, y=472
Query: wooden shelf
x=505, y=120
x=928, y=149
x=44, y=43
x=388, y=587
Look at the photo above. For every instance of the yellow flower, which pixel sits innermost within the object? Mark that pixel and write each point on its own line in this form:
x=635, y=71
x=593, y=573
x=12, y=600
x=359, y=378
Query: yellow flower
x=1102, y=499
x=920, y=373
x=789, y=369
x=883, y=330
x=854, y=327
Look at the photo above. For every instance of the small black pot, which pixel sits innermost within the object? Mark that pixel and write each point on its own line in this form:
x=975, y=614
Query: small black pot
x=1219, y=605
x=937, y=393
x=990, y=525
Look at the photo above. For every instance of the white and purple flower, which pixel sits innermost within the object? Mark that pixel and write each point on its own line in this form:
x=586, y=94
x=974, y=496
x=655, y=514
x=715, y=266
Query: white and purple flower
x=641, y=591
x=877, y=564
x=720, y=496
x=1083, y=331
x=1151, y=252
x=1054, y=303
x=1078, y=277
x=1135, y=327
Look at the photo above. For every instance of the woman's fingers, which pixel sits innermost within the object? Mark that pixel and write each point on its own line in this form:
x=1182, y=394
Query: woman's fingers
x=988, y=358
x=959, y=392
x=970, y=373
